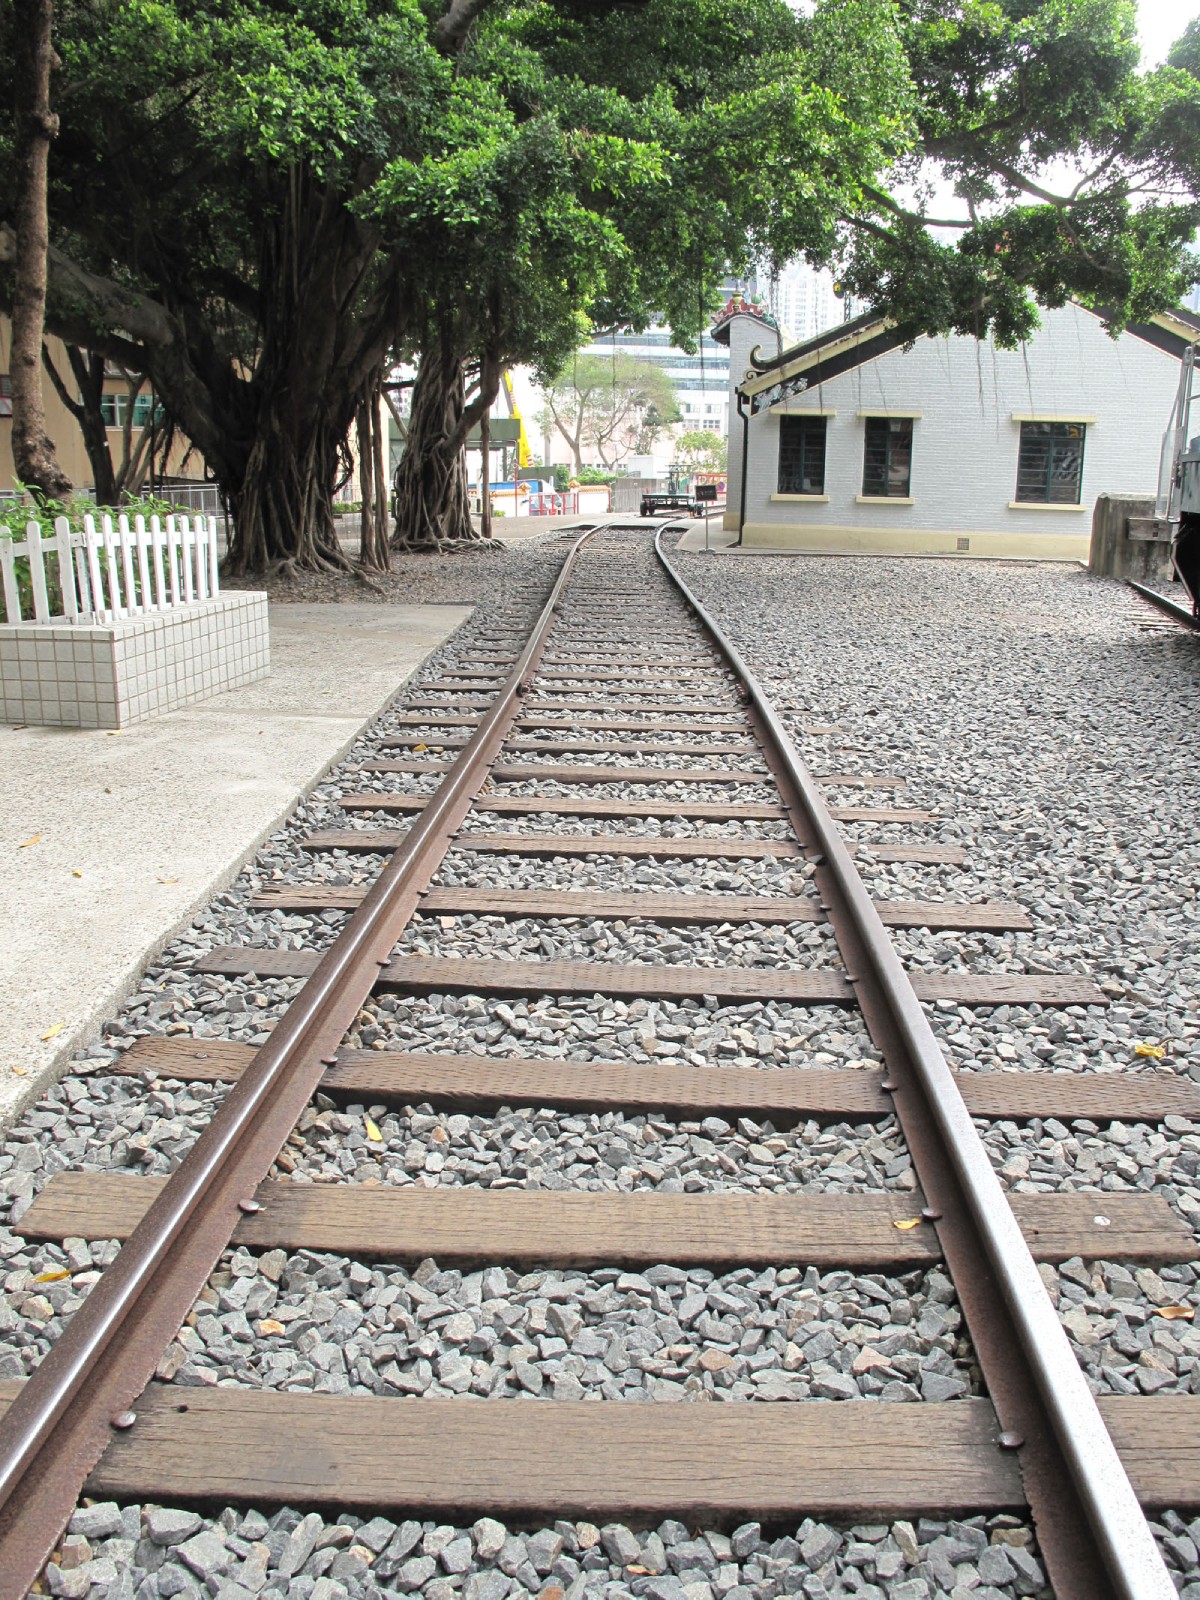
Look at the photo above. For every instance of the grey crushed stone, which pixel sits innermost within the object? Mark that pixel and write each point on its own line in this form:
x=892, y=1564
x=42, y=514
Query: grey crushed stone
x=308, y=1558
x=319, y=1322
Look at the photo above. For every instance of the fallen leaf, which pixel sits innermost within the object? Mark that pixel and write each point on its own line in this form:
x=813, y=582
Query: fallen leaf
x=168, y=880
x=75, y=873
x=51, y=1277
x=1175, y=1313
x=270, y=1326
x=37, y=838
x=420, y=747
x=113, y=732
x=641, y=1572
x=53, y=1031
x=373, y=1132
x=905, y=1223
x=20, y=1072
x=1155, y=1051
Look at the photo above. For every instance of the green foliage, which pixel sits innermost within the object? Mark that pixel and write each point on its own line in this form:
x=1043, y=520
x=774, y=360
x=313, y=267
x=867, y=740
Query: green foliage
x=1006, y=90
x=1185, y=52
x=700, y=451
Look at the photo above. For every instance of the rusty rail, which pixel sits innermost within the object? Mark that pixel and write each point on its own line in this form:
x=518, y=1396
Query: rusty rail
x=1091, y=1529
x=1172, y=608
x=58, y=1427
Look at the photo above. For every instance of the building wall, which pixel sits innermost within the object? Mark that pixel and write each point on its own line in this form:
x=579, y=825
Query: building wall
x=745, y=334
x=965, y=442
x=64, y=430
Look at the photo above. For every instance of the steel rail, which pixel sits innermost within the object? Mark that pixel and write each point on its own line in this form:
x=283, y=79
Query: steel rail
x=1091, y=1529
x=57, y=1428
x=1164, y=602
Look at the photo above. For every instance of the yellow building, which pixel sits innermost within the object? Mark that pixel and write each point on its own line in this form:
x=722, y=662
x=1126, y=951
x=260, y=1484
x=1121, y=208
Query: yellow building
x=182, y=461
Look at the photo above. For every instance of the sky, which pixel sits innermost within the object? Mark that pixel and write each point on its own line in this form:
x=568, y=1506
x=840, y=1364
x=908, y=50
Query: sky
x=1160, y=22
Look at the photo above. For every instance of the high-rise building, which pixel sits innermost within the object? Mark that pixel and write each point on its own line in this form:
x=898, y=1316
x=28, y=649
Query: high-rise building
x=802, y=301
x=700, y=381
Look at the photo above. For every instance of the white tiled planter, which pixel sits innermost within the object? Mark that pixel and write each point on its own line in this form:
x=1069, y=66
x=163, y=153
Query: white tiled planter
x=113, y=674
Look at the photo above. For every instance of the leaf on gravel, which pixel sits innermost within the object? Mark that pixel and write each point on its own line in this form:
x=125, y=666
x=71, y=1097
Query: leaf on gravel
x=373, y=1132
x=1155, y=1051
x=905, y=1223
x=53, y=1031
x=270, y=1326
x=28, y=842
x=51, y=1277
x=1175, y=1313
x=420, y=747
x=168, y=880
x=75, y=873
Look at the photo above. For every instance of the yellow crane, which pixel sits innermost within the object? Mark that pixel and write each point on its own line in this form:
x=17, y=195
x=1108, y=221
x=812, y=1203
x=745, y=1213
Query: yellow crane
x=524, y=453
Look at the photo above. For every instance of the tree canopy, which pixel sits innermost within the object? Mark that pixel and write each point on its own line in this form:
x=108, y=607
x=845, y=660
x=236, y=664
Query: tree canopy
x=702, y=451
x=261, y=204
x=1072, y=173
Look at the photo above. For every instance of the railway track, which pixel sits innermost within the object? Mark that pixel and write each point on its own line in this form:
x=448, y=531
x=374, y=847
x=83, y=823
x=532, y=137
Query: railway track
x=622, y=731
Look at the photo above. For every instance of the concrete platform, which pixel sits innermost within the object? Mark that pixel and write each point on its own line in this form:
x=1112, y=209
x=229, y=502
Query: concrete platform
x=135, y=831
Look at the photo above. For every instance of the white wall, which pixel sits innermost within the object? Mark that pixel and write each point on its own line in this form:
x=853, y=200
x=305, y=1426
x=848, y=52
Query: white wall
x=745, y=333
x=965, y=444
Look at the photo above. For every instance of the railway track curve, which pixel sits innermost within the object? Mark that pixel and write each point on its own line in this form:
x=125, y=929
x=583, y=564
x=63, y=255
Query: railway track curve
x=625, y=713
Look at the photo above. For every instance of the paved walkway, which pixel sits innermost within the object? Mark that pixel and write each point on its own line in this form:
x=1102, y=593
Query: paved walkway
x=111, y=842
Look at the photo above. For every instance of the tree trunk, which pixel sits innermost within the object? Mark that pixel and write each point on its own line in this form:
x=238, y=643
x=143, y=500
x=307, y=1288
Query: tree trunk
x=431, y=484
x=485, y=476
x=432, y=504
x=34, y=461
x=373, y=551
x=316, y=359
x=366, y=486
x=271, y=431
x=383, y=555
x=283, y=506
x=88, y=371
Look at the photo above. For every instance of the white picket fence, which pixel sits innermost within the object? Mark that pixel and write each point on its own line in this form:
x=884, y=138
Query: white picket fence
x=113, y=571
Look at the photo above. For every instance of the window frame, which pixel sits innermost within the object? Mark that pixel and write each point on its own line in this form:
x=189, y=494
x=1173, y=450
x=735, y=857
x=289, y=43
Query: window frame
x=1055, y=437
x=891, y=427
x=114, y=408
x=802, y=424
x=6, y=401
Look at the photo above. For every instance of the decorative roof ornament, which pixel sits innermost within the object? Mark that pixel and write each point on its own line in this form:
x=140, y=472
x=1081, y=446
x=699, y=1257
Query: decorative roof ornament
x=738, y=306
